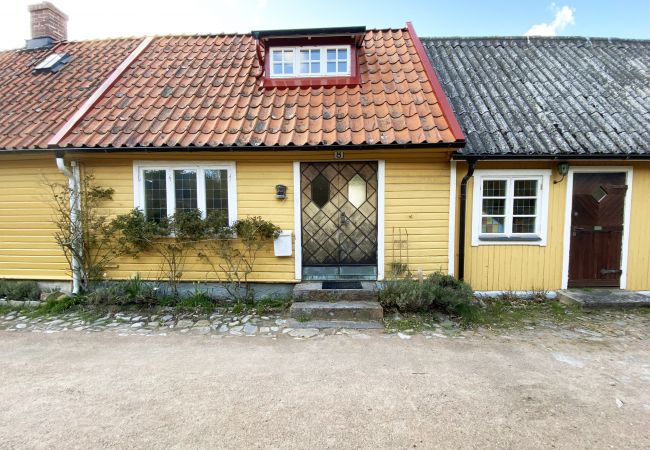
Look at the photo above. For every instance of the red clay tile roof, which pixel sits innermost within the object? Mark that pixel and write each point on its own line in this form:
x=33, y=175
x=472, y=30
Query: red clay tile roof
x=34, y=106
x=203, y=91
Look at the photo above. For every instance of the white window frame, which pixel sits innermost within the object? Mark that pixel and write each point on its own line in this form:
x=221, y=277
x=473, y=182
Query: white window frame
x=542, y=176
x=323, y=61
x=200, y=167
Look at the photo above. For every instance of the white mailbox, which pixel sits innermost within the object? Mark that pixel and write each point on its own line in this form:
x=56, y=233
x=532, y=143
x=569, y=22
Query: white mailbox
x=282, y=245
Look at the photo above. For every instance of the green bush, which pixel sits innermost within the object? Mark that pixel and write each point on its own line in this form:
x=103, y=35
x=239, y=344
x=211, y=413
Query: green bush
x=20, y=290
x=59, y=305
x=435, y=292
x=133, y=291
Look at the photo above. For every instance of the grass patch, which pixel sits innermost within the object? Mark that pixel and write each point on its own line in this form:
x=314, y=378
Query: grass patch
x=276, y=304
x=410, y=323
x=513, y=312
x=60, y=305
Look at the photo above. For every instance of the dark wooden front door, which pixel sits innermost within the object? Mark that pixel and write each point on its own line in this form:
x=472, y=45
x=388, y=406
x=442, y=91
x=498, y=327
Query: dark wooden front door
x=597, y=229
x=339, y=220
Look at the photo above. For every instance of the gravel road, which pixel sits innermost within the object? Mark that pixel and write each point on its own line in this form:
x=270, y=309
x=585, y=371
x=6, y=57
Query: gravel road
x=100, y=390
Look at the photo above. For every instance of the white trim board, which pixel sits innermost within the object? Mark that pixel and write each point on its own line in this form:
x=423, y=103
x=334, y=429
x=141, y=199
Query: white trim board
x=628, y=170
x=381, y=202
x=451, y=250
x=297, y=220
x=539, y=238
x=381, y=193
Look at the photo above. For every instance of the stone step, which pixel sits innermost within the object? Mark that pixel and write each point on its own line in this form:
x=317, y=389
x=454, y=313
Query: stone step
x=341, y=310
x=604, y=298
x=337, y=324
x=313, y=291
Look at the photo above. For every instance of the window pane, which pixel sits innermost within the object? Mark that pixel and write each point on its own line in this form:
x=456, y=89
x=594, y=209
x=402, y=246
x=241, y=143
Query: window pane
x=343, y=67
x=288, y=68
x=494, y=206
x=357, y=191
x=304, y=67
x=331, y=54
x=320, y=191
x=524, y=206
x=315, y=54
x=331, y=67
x=492, y=225
x=155, y=194
x=525, y=188
x=343, y=54
x=277, y=68
x=523, y=225
x=185, y=188
x=315, y=67
x=216, y=190
x=277, y=56
x=287, y=56
x=494, y=188
x=304, y=55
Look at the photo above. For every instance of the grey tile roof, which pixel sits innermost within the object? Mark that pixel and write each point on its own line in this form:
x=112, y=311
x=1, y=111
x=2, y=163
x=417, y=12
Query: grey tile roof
x=547, y=96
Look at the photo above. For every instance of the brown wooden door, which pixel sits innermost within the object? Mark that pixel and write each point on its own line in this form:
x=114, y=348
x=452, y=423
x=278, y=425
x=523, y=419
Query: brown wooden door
x=339, y=219
x=596, y=229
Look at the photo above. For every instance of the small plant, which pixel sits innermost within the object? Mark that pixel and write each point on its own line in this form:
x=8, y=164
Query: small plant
x=198, y=299
x=90, y=239
x=138, y=291
x=272, y=304
x=20, y=290
x=233, y=250
x=59, y=305
x=435, y=292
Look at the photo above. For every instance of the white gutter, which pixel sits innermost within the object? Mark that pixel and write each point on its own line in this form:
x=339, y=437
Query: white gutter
x=73, y=185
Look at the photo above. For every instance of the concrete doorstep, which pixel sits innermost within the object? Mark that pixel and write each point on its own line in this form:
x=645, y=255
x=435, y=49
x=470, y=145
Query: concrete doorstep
x=604, y=298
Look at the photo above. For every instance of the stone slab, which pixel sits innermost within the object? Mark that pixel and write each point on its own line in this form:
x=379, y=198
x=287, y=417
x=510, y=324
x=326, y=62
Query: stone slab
x=604, y=298
x=337, y=324
x=313, y=291
x=341, y=310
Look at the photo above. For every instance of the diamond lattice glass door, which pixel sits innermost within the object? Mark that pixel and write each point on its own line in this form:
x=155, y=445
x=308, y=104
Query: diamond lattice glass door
x=339, y=220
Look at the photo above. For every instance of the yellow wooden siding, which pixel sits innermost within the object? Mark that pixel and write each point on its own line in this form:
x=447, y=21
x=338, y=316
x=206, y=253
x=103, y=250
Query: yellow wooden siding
x=417, y=198
x=27, y=247
x=638, y=267
x=532, y=267
x=417, y=213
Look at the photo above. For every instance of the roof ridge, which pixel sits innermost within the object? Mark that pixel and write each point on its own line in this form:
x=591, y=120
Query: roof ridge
x=537, y=38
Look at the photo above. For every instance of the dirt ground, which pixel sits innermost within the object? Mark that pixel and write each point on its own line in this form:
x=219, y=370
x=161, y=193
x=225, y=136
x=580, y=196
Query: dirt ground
x=73, y=390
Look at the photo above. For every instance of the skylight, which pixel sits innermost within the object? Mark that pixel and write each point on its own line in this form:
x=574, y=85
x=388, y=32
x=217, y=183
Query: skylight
x=53, y=63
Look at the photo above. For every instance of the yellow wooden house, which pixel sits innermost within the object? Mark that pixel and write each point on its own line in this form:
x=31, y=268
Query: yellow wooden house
x=345, y=138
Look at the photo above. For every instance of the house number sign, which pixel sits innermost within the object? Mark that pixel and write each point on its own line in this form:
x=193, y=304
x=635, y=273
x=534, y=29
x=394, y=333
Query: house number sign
x=338, y=155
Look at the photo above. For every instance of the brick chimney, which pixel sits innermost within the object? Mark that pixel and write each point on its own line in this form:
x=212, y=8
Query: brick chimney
x=49, y=25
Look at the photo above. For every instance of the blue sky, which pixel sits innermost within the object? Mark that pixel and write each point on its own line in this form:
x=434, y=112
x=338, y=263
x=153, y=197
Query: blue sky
x=113, y=18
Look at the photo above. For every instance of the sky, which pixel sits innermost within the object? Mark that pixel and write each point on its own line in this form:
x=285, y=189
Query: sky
x=92, y=19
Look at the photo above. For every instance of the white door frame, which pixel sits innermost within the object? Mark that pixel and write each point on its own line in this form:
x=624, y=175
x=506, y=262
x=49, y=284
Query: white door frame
x=628, y=171
x=297, y=216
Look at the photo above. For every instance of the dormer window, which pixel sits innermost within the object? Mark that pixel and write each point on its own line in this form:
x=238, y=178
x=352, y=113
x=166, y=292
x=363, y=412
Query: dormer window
x=313, y=61
x=311, y=57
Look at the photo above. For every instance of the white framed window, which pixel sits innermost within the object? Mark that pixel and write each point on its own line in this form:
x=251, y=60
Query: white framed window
x=310, y=61
x=162, y=188
x=510, y=207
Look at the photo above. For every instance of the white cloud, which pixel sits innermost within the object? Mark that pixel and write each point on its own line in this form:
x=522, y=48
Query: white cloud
x=563, y=18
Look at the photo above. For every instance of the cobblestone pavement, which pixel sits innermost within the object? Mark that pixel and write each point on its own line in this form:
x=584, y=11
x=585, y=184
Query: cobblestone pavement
x=594, y=326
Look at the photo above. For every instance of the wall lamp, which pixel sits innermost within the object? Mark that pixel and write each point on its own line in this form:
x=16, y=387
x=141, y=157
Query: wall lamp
x=280, y=191
x=562, y=169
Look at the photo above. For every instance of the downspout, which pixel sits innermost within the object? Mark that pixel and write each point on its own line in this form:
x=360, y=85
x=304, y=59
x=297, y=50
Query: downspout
x=471, y=164
x=73, y=185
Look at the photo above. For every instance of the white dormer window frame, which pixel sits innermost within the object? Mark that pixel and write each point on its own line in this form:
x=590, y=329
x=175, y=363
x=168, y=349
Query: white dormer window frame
x=311, y=61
